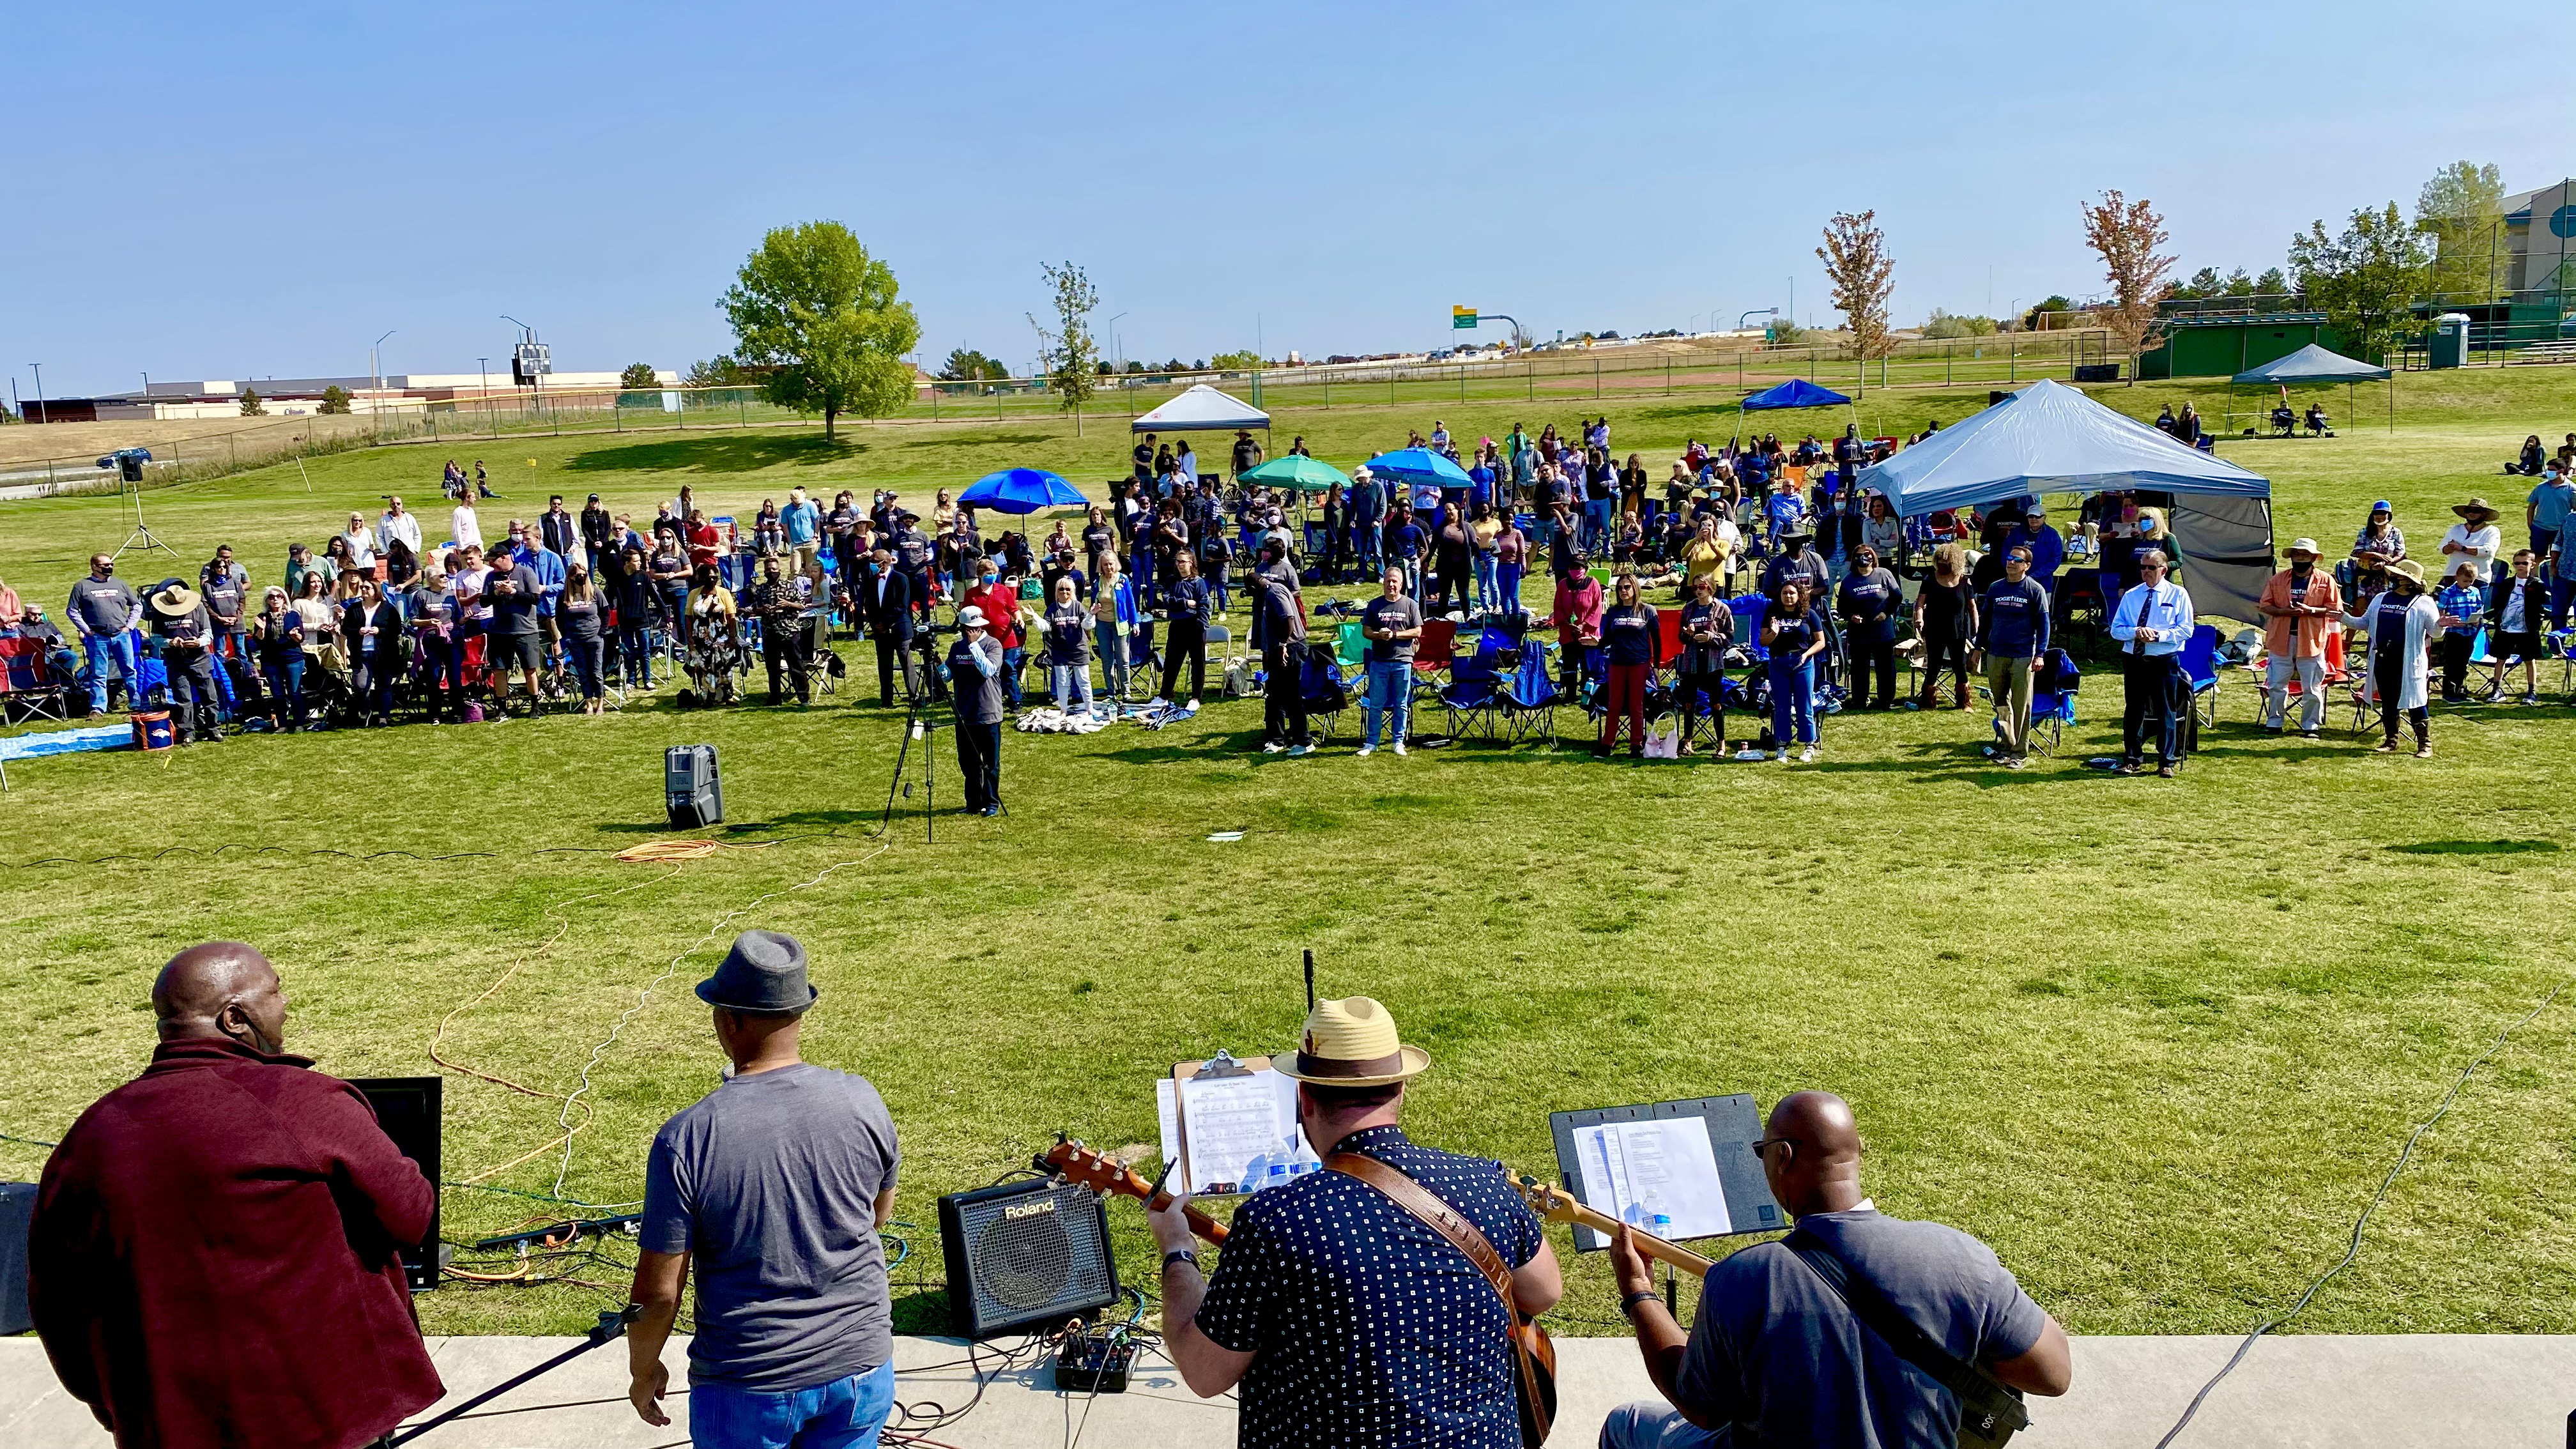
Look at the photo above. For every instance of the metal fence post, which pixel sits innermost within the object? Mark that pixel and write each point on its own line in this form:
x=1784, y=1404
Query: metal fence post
x=1596, y=375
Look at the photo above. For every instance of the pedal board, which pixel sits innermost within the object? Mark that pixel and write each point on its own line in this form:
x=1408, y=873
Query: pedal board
x=1097, y=1362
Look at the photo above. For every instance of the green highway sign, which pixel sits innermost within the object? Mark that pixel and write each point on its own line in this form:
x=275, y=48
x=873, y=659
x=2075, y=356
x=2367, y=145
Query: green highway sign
x=1462, y=317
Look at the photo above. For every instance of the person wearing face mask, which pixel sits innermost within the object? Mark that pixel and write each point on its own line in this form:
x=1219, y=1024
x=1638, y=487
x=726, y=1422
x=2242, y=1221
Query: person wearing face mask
x=1869, y=601
x=1000, y=603
x=2299, y=605
x=216, y=1252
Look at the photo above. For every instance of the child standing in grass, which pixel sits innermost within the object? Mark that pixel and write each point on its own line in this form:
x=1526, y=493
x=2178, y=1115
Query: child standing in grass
x=2463, y=604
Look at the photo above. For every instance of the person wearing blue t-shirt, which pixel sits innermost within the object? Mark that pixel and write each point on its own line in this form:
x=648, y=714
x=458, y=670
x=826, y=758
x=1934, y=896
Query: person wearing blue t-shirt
x=1776, y=1354
x=1793, y=630
x=2012, y=633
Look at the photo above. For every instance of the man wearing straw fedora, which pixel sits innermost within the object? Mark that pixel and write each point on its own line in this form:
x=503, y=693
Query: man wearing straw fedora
x=187, y=634
x=771, y=1189
x=1346, y=1316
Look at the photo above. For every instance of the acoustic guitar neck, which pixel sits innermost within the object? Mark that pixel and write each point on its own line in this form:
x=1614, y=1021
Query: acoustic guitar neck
x=1557, y=1206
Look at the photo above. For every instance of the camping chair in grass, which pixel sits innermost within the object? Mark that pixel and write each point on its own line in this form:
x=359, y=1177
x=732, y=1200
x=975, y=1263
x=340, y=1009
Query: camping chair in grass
x=1348, y=644
x=1529, y=695
x=1474, y=690
x=29, y=686
x=2200, y=665
x=2561, y=644
x=1431, y=659
x=1326, y=692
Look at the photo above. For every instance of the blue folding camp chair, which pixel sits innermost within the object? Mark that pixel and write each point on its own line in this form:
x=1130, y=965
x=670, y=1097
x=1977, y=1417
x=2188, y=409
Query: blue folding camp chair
x=1529, y=695
x=1474, y=690
x=2200, y=663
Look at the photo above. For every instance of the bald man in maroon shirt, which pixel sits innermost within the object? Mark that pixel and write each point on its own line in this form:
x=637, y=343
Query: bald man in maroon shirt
x=216, y=1253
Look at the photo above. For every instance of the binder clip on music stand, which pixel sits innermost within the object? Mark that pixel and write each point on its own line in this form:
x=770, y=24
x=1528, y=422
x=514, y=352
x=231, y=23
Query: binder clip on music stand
x=128, y=463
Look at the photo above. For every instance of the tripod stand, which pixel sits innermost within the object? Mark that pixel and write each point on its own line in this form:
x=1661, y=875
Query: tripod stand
x=917, y=726
x=142, y=536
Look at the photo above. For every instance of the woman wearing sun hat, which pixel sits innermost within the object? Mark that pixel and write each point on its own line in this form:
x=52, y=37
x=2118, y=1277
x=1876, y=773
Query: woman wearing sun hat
x=1337, y=1308
x=2402, y=622
x=2299, y=606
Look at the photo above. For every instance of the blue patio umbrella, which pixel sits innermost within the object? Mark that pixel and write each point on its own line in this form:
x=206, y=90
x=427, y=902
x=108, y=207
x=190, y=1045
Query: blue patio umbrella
x=1418, y=465
x=1022, y=490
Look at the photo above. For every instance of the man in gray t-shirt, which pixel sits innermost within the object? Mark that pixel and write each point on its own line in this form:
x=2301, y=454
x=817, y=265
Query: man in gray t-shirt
x=771, y=1189
x=1776, y=1355
x=1392, y=623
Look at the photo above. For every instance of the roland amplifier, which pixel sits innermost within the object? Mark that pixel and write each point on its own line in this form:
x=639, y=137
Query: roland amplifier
x=1025, y=1255
x=691, y=793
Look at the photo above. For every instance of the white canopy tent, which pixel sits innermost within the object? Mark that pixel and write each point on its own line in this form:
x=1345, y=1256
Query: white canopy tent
x=2051, y=438
x=1201, y=409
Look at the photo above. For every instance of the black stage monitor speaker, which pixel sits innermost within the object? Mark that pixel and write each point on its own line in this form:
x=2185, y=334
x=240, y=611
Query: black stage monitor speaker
x=1025, y=1255
x=17, y=1215
x=691, y=794
x=408, y=1109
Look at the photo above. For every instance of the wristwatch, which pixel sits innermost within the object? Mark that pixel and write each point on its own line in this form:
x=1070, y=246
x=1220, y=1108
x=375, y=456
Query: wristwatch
x=1179, y=1255
x=1628, y=1303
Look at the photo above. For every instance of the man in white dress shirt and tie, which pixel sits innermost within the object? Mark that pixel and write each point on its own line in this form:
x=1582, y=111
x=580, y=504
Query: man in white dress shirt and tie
x=2152, y=623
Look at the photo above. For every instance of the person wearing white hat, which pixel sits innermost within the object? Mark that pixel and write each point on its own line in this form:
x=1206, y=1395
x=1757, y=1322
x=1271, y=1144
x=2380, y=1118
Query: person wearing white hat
x=2300, y=605
x=975, y=672
x=1345, y=1315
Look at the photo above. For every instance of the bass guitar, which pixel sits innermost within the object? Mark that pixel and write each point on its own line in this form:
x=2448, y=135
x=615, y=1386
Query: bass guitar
x=1558, y=1206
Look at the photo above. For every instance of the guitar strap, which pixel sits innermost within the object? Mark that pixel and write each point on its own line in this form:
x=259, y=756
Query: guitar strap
x=1538, y=1407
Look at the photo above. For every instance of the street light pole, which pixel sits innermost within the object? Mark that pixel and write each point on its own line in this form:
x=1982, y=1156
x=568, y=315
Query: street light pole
x=41, y=414
x=1114, y=348
x=376, y=375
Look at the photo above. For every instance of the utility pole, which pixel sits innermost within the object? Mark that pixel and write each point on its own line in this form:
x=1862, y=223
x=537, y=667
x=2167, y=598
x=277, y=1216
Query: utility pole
x=41, y=414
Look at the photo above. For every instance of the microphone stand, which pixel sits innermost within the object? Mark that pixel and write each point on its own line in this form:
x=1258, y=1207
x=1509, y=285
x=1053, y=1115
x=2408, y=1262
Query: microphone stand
x=610, y=1328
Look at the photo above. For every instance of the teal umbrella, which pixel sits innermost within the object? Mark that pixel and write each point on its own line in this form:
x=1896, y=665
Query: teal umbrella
x=1297, y=471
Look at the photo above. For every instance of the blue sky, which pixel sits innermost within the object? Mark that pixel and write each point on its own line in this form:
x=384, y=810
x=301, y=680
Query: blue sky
x=201, y=191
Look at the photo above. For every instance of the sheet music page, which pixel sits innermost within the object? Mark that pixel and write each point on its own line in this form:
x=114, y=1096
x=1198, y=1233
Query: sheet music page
x=1637, y=1171
x=1229, y=1122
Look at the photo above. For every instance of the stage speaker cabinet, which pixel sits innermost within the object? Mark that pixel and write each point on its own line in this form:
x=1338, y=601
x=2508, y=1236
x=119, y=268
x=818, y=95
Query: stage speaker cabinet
x=691, y=794
x=1025, y=1255
x=17, y=1215
x=408, y=1108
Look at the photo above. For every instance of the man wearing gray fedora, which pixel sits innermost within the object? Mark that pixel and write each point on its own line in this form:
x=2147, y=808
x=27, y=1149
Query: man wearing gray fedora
x=772, y=1188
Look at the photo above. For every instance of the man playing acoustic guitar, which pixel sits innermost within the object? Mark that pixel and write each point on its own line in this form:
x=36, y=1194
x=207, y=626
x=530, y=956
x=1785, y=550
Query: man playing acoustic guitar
x=1349, y=1319
x=1780, y=1355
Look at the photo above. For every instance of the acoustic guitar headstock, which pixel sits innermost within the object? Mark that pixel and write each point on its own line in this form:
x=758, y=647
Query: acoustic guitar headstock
x=1547, y=1200
x=1100, y=1172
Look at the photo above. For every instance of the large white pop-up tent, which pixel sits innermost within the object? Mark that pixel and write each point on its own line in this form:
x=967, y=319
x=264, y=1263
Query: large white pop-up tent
x=2051, y=438
x=1201, y=409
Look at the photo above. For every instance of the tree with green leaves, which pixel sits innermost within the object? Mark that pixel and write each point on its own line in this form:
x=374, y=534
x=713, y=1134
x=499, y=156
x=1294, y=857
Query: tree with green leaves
x=335, y=401
x=2462, y=209
x=716, y=371
x=250, y=404
x=638, y=375
x=1067, y=354
x=2365, y=280
x=820, y=319
x=1243, y=361
x=965, y=364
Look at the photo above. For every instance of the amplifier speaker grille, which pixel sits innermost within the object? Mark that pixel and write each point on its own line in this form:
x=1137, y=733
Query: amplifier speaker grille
x=1025, y=1254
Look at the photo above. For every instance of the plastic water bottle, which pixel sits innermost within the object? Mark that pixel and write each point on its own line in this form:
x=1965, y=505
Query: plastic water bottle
x=1277, y=1175
x=1663, y=1226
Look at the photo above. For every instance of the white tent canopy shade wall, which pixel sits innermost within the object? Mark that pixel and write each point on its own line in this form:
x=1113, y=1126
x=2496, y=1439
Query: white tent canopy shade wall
x=2051, y=438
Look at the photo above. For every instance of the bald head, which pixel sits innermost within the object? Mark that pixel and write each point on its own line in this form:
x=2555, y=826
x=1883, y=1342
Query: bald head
x=1811, y=1154
x=221, y=989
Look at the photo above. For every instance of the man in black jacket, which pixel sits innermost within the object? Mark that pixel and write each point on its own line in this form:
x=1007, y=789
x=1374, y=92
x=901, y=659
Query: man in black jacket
x=885, y=600
x=1279, y=632
x=599, y=535
x=975, y=671
x=561, y=531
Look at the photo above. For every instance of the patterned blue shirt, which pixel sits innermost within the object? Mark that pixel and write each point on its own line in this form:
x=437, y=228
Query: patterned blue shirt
x=1367, y=1329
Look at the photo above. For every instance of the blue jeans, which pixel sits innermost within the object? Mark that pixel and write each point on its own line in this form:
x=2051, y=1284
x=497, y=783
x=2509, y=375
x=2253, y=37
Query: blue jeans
x=1507, y=587
x=1390, y=687
x=119, y=647
x=1489, y=595
x=1654, y=1424
x=844, y=1414
x=1013, y=661
x=1793, y=701
x=1597, y=523
x=2561, y=590
x=286, y=692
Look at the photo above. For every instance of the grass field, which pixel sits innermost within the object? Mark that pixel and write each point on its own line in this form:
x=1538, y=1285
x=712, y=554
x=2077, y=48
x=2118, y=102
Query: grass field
x=2155, y=1041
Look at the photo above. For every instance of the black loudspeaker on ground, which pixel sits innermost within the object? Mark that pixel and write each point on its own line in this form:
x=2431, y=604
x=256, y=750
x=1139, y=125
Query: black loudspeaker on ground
x=1025, y=1255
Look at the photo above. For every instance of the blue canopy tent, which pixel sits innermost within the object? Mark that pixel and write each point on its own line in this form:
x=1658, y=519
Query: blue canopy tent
x=2051, y=438
x=1022, y=490
x=2314, y=364
x=1797, y=392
